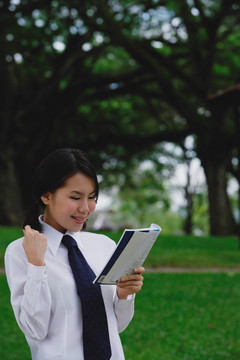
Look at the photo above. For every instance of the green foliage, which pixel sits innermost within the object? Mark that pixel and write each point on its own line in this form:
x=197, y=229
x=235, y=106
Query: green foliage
x=142, y=197
x=117, y=79
x=200, y=213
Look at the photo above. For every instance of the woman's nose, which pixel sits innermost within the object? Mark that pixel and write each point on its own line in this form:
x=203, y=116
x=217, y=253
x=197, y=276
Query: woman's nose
x=83, y=206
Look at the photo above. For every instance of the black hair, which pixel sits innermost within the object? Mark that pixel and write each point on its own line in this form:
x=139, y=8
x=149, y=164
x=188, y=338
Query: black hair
x=52, y=173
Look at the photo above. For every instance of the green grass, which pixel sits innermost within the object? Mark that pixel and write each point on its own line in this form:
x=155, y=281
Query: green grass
x=7, y=234
x=177, y=317
x=185, y=317
x=169, y=250
x=191, y=251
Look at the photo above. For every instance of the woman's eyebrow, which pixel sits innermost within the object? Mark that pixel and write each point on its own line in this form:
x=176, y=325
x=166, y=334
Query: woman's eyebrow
x=80, y=193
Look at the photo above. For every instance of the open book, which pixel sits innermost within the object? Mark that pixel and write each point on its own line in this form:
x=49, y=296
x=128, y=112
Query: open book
x=130, y=253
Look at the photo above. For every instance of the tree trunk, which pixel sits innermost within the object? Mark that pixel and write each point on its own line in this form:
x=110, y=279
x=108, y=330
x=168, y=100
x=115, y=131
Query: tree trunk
x=188, y=223
x=221, y=217
x=10, y=199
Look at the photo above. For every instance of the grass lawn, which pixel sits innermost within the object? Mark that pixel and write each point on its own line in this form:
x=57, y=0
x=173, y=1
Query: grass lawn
x=185, y=317
x=191, y=251
x=177, y=317
x=7, y=234
x=169, y=250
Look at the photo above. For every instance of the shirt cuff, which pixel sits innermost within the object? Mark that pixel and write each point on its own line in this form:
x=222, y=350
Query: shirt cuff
x=129, y=298
x=36, y=272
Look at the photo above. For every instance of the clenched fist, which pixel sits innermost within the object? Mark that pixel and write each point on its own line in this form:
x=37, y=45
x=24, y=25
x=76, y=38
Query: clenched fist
x=35, y=245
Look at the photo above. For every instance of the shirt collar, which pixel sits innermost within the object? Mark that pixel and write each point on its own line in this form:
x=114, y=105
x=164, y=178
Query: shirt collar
x=54, y=237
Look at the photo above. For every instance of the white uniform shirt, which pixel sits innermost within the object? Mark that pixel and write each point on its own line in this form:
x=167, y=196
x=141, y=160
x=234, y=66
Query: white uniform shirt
x=45, y=301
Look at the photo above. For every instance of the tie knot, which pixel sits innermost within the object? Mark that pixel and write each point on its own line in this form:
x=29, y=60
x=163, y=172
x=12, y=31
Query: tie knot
x=69, y=242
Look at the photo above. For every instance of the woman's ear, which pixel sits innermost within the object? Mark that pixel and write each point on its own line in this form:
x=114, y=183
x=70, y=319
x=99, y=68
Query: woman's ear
x=45, y=198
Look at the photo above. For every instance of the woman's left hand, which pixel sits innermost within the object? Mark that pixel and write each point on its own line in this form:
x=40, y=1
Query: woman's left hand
x=130, y=284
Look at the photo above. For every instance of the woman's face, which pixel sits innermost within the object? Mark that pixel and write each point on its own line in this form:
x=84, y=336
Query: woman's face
x=68, y=207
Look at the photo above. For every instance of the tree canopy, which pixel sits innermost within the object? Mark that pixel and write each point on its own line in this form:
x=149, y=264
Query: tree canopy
x=119, y=78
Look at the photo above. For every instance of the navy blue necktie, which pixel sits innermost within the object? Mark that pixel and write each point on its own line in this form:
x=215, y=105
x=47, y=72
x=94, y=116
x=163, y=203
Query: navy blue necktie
x=96, y=343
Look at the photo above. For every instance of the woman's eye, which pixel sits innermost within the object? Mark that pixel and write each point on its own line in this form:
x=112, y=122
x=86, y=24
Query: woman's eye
x=93, y=197
x=75, y=197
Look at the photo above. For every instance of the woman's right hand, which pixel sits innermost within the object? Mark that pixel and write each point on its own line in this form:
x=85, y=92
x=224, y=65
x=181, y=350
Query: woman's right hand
x=35, y=245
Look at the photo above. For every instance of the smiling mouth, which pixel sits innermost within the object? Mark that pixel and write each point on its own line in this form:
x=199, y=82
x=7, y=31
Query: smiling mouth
x=78, y=219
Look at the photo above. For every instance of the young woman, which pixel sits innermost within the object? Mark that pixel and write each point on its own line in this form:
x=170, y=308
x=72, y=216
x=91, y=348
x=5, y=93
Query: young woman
x=44, y=295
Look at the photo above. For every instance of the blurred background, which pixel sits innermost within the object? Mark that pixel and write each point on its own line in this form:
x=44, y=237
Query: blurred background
x=149, y=89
